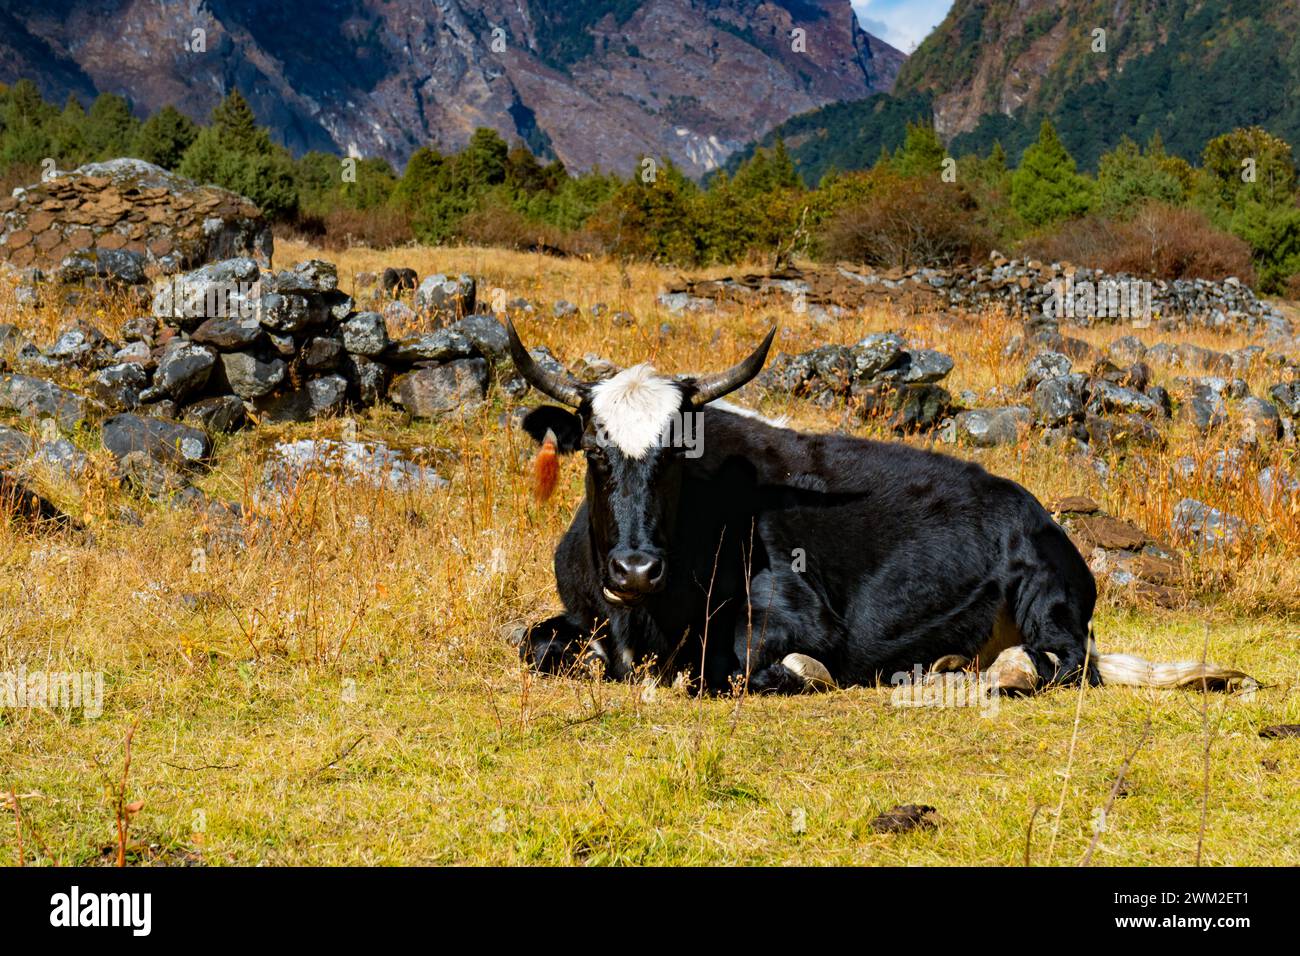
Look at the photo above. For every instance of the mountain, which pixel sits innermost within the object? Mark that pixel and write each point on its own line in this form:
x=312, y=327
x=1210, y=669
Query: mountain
x=592, y=82
x=993, y=69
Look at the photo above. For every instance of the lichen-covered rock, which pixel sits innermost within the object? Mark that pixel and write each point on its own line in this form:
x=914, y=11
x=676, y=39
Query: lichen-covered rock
x=446, y=298
x=183, y=370
x=442, y=345
x=126, y=219
x=1060, y=399
x=987, y=427
x=119, y=386
x=486, y=334
x=172, y=443
x=438, y=391
x=365, y=333
x=36, y=398
x=1199, y=524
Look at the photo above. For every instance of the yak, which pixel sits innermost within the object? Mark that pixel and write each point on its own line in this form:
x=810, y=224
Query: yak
x=758, y=556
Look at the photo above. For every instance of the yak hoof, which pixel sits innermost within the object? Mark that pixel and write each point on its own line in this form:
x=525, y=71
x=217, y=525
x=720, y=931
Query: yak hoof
x=949, y=663
x=812, y=671
x=1013, y=672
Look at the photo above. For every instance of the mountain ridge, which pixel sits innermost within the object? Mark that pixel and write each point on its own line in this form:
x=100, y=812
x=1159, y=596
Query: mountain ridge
x=596, y=83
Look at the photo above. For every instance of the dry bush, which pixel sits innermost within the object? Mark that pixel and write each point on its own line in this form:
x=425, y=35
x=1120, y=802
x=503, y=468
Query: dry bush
x=378, y=228
x=504, y=228
x=1160, y=241
x=916, y=223
x=18, y=175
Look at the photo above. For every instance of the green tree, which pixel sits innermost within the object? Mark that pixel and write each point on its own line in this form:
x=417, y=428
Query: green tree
x=164, y=138
x=1126, y=177
x=1046, y=188
x=1250, y=165
x=1273, y=232
x=922, y=152
x=237, y=154
x=109, y=129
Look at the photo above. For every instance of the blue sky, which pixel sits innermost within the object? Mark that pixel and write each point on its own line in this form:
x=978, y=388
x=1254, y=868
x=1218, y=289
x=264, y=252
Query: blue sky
x=901, y=23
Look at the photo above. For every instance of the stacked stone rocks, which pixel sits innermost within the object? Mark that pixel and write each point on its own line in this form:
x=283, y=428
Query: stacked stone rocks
x=231, y=339
x=126, y=220
x=1071, y=393
x=1055, y=292
x=880, y=376
x=232, y=343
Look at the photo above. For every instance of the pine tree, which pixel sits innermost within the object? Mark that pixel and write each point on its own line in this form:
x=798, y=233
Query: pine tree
x=1046, y=188
x=236, y=127
x=922, y=152
x=164, y=138
x=109, y=128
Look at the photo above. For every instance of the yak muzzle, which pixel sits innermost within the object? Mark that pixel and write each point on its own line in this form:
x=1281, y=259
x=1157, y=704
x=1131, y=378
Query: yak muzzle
x=632, y=575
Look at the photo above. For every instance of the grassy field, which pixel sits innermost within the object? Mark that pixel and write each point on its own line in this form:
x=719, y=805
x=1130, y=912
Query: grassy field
x=340, y=688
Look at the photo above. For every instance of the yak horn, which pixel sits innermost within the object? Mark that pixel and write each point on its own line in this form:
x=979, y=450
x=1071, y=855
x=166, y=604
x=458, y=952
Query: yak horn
x=710, y=387
x=563, y=388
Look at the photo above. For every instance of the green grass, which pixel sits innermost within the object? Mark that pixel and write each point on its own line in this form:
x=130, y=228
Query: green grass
x=456, y=757
x=340, y=692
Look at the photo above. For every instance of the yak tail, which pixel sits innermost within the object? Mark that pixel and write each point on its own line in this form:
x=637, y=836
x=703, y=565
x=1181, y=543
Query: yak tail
x=1127, y=670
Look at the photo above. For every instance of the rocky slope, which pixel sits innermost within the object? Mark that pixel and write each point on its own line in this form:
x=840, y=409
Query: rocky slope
x=597, y=82
x=1187, y=69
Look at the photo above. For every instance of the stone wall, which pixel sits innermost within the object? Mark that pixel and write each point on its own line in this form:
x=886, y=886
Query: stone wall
x=127, y=220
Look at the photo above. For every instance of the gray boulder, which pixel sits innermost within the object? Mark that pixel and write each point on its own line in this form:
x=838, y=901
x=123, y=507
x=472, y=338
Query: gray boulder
x=987, y=427
x=183, y=369
x=172, y=443
x=435, y=392
x=365, y=333
x=442, y=345
x=1199, y=524
x=36, y=398
x=251, y=377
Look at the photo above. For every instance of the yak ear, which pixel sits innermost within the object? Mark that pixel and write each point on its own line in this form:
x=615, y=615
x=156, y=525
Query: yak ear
x=564, y=424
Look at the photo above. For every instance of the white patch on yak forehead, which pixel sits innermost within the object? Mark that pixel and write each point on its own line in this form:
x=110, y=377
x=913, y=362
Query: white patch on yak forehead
x=634, y=407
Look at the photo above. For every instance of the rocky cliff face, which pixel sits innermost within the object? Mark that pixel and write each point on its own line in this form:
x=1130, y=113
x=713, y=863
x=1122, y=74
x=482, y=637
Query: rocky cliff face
x=595, y=82
x=1170, y=60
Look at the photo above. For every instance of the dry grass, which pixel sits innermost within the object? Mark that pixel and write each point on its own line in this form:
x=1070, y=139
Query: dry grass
x=340, y=690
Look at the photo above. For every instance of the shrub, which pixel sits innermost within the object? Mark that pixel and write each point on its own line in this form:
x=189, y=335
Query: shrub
x=1166, y=242
x=379, y=228
x=917, y=222
x=502, y=227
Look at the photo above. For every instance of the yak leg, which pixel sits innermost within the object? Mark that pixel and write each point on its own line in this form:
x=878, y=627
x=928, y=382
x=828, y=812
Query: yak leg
x=782, y=647
x=558, y=646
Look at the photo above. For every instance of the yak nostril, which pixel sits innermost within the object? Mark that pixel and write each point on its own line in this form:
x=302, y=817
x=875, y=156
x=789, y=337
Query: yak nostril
x=635, y=570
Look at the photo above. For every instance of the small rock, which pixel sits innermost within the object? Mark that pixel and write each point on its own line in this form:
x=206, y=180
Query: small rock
x=221, y=413
x=229, y=335
x=1198, y=523
x=183, y=369
x=318, y=398
x=119, y=386
x=986, y=427
x=434, y=392
x=365, y=334
x=169, y=442
x=251, y=377
x=486, y=334
x=442, y=345
x=36, y=398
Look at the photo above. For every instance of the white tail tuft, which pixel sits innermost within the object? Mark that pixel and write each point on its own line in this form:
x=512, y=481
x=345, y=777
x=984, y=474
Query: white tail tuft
x=1126, y=670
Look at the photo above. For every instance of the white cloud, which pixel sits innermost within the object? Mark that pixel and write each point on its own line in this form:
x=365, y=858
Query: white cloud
x=901, y=23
